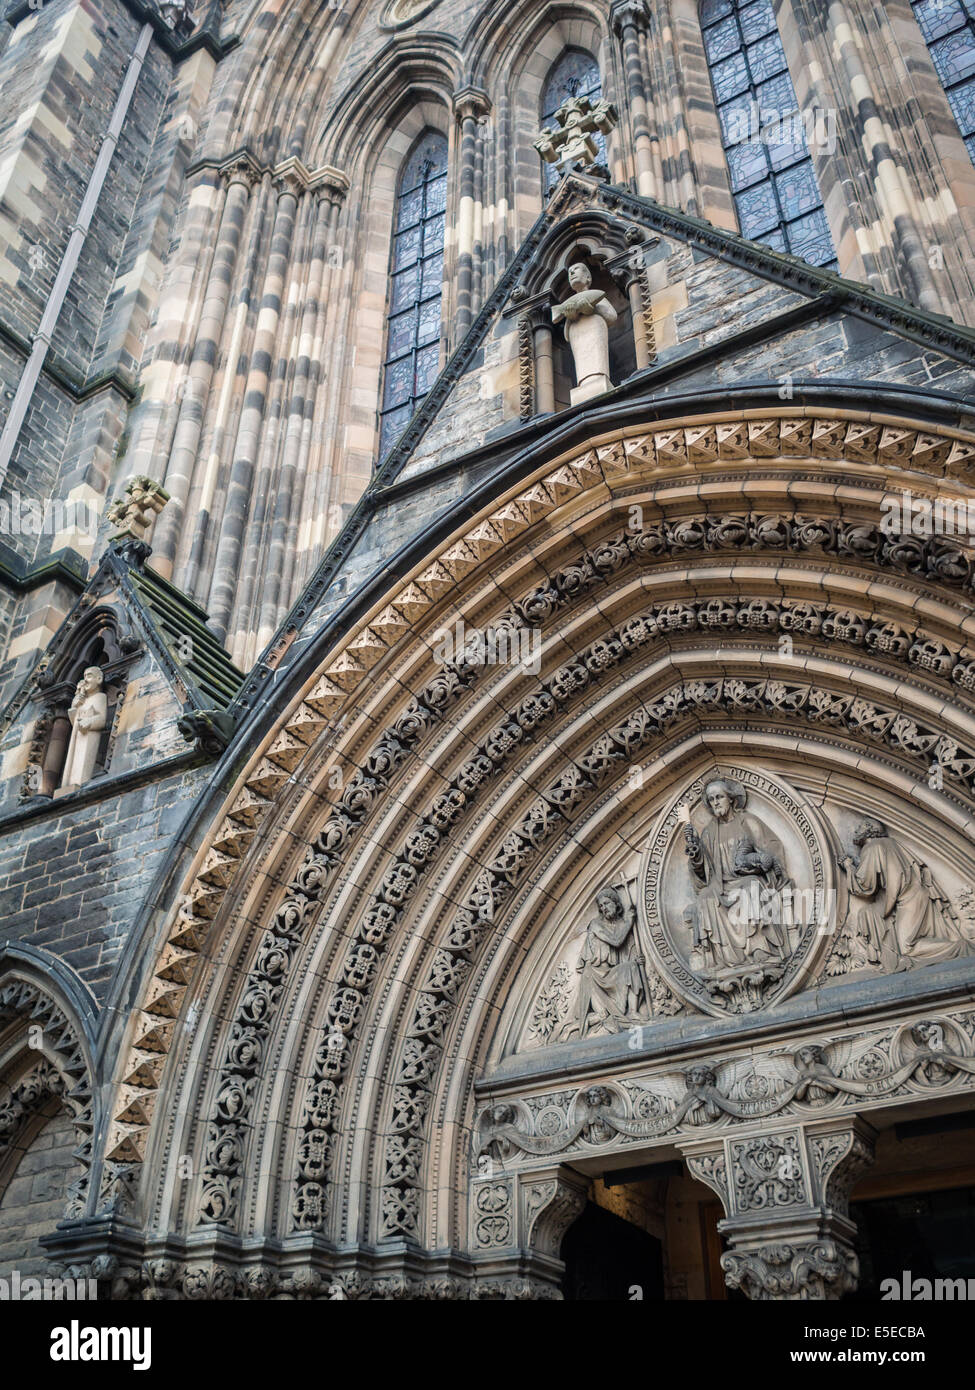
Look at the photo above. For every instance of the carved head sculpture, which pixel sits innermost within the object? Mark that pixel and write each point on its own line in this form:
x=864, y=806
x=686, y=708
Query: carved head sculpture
x=929, y=1035
x=579, y=276
x=697, y=1078
x=501, y=1115
x=808, y=1057
x=597, y=1098
x=91, y=681
x=722, y=797
x=609, y=903
x=868, y=829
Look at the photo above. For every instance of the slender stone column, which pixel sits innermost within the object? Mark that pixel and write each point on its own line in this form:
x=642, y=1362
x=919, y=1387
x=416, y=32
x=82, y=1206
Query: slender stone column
x=194, y=578
x=642, y=347
x=328, y=195
x=544, y=369
x=629, y=17
x=470, y=106
x=240, y=176
x=516, y=1226
x=229, y=547
x=889, y=176
x=786, y=1195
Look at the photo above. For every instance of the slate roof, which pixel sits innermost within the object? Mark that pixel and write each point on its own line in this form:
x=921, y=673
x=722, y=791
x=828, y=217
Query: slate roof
x=210, y=676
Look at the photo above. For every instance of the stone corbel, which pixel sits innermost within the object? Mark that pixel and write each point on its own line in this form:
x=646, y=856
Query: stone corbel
x=785, y=1194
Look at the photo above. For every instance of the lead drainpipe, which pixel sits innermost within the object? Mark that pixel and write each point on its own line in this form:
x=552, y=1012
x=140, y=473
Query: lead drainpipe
x=41, y=341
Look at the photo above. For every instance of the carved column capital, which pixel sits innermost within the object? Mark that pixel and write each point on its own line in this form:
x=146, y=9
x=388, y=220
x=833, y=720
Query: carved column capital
x=806, y=1270
x=471, y=103
x=241, y=168
x=785, y=1193
x=624, y=13
x=290, y=177
x=329, y=185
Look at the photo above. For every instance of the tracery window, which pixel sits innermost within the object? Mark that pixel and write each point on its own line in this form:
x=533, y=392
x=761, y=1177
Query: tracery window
x=412, y=353
x=948, y=27
x=772, y=178
x=576, y=74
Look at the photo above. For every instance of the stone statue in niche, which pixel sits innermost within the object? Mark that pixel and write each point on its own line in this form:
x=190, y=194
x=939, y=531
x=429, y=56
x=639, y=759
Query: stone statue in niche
x=738, y=874
x=587, y=314
x=901, y=917
x=88, y=715
x=612, y=978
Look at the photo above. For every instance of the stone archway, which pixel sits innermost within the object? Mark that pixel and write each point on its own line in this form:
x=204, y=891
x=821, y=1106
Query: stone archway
x=355, y=920
x=46, y=1113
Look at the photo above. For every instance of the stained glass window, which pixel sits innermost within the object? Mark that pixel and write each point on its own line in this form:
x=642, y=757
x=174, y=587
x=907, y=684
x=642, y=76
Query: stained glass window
x=763, y=132
x=415, y=286
x=948, y=27
x=574, y=75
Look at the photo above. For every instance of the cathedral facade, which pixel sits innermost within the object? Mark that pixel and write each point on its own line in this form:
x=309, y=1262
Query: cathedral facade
x=488, y=646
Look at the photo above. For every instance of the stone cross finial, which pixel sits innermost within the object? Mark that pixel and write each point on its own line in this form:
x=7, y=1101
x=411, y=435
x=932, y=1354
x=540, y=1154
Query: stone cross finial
x=574, y=142
x=134, y=512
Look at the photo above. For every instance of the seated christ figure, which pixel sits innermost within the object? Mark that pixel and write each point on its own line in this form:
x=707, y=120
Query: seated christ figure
x=737, y=870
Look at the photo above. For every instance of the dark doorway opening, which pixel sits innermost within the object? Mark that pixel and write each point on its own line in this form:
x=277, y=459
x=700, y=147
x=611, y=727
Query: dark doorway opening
x=926, y=1235
x=609, y=1259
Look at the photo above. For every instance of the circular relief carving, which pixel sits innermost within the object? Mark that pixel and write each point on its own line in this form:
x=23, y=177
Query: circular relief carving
x=923, y=1044
x=550, y=1121
x=492, y=1199
x=739, y=891
x=871, y=1065
x=647, y=1106
x=399, y=13
x=493, y=1230
x=757, y=1087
